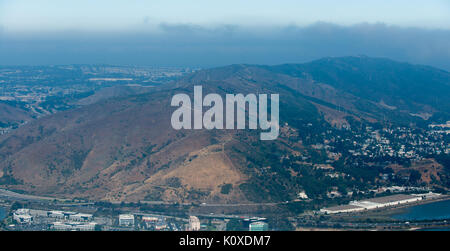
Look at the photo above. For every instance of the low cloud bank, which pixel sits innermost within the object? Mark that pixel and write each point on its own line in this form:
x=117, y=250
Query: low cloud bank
x=191, y=45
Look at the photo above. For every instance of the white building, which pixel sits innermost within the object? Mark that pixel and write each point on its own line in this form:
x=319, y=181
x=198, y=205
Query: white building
x=81, y=217
x=370, y=204
x=22, y=218
x=302, y=195
x=126, y=220
x=23, y=211
x=258, y=226
x=56, y=214
x=366, y=204
x=388, y=201
x=341, y=209
x=160, y=226
x=74, y=226
x=150, y=218
x=194, y=223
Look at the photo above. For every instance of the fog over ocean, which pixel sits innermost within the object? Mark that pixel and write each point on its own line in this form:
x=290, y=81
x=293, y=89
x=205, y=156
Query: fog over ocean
x=202, y=46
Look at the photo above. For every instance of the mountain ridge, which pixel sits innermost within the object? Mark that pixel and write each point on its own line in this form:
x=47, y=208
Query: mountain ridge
x=124, y=148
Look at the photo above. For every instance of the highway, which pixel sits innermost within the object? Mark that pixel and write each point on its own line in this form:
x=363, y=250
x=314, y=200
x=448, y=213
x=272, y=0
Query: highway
x=6, y=194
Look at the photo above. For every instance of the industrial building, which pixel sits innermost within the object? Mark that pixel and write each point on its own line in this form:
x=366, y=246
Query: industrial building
x=65, y=220
x=56, y=214
x=74, y=226
x=394, y=200
x=126, y=220
x=150, y=218
x=81, y=217
x=258, y=226
x=194, y=223
x=22, y=216
x=341, y=209
x=375, y=203
x=23, y=211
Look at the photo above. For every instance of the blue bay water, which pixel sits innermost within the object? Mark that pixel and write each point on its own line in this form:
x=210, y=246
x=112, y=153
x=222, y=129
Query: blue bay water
x=433, y=211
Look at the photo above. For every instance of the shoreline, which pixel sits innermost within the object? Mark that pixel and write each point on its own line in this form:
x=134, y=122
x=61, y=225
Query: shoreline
x=404, y=208
x=398, y=209
x=382, y=220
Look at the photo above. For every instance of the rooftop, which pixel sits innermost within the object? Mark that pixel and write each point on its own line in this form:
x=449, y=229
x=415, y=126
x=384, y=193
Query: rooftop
x=126, y=217
x=343, y=207
x=392, y=198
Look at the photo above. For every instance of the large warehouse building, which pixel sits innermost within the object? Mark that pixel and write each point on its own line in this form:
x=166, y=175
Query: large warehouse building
x=380, y=202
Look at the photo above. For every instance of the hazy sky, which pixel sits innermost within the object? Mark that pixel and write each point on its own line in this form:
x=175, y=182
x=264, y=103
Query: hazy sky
x=16, y=15
x=218, y=32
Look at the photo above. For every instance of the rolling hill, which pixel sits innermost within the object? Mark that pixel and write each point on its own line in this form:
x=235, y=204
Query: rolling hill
x=124, y=148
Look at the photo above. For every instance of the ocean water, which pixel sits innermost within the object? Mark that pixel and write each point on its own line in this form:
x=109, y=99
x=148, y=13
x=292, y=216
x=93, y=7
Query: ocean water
x=433, y=211
x=436, y=229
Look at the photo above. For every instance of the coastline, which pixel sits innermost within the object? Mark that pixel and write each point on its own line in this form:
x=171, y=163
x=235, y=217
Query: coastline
x=404, y=208
x=398, y=209
x=383, y=219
